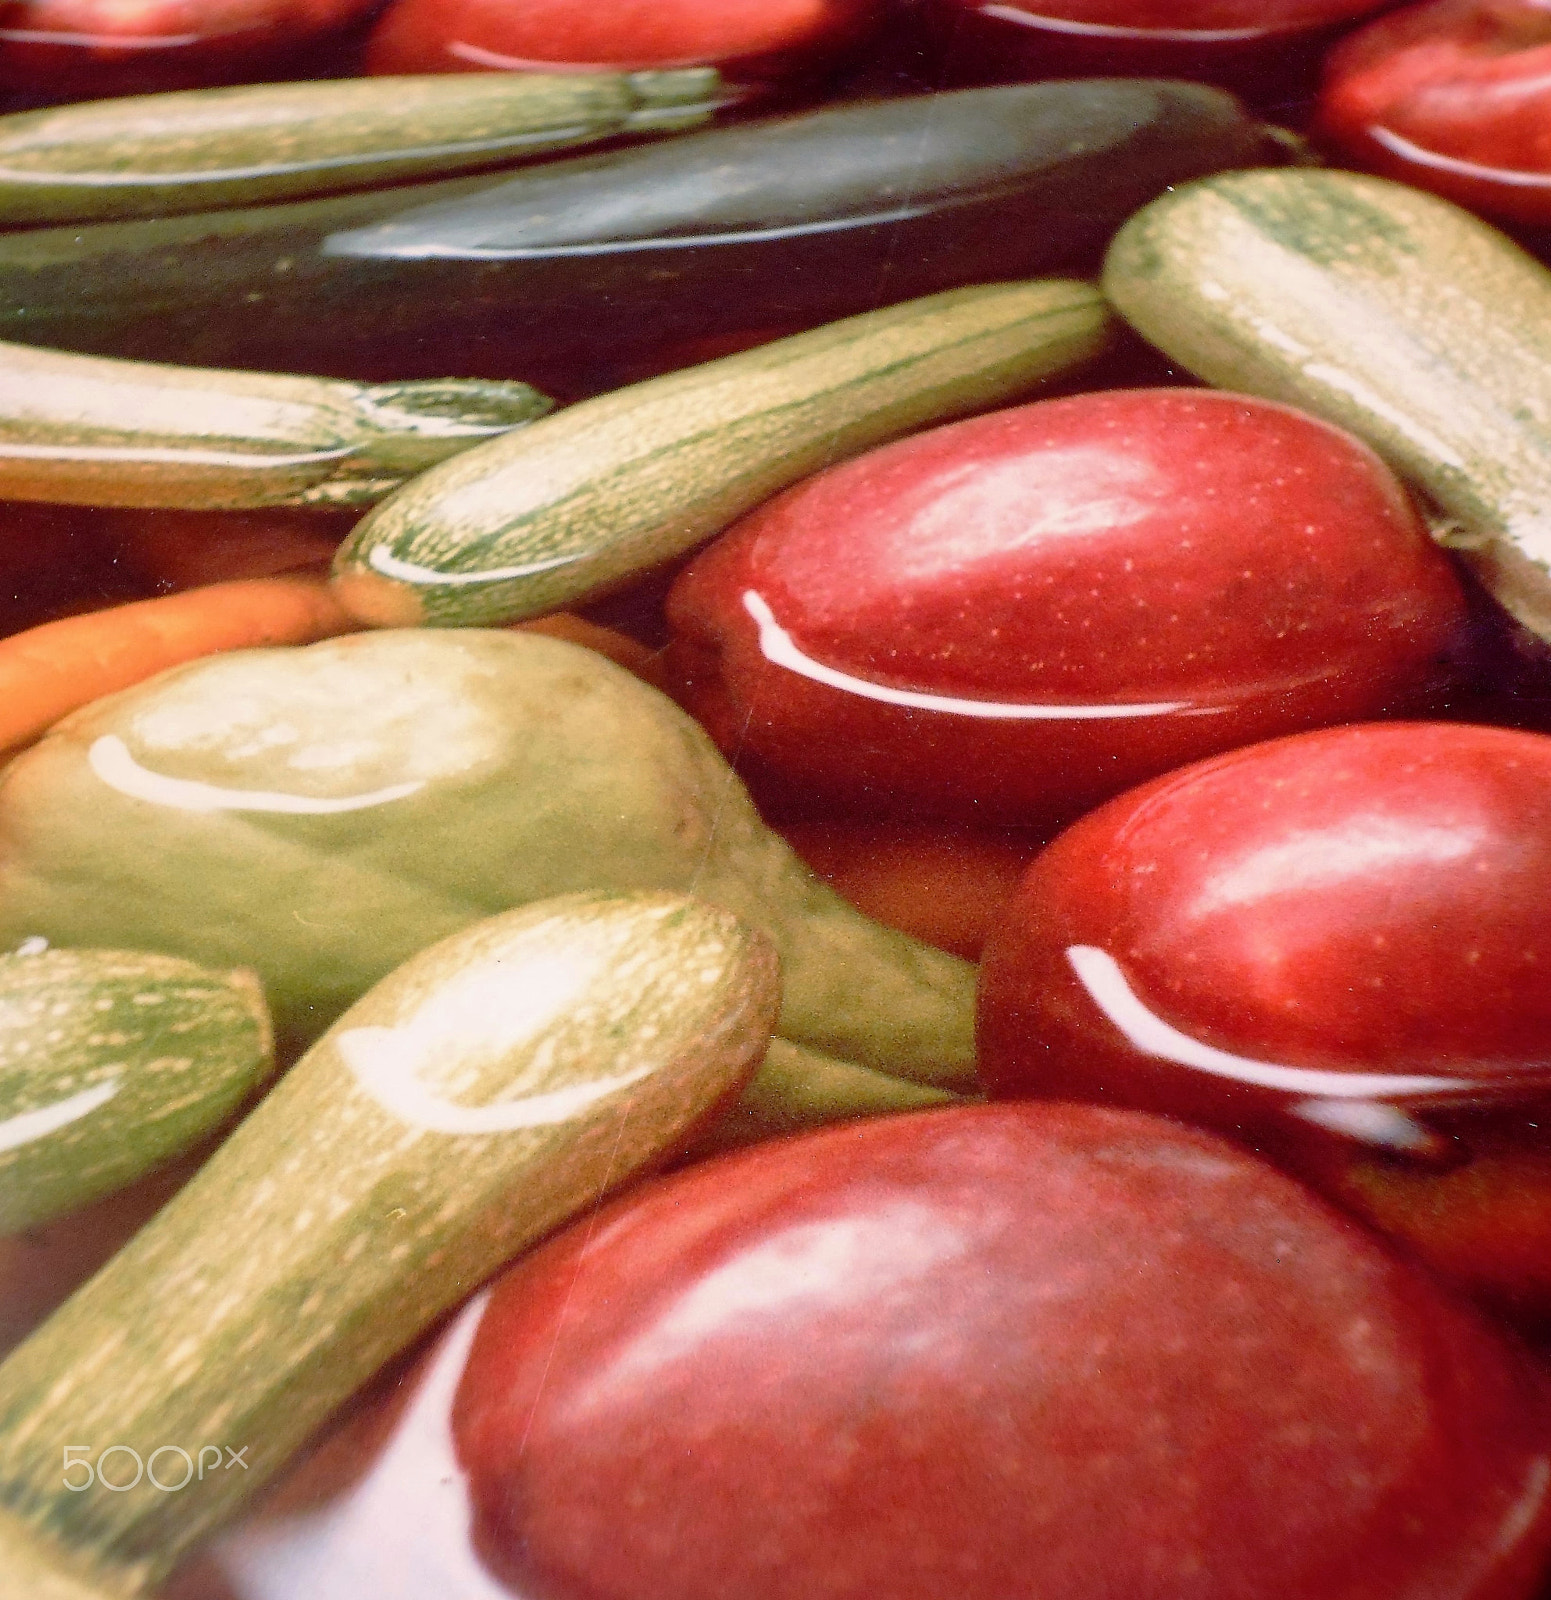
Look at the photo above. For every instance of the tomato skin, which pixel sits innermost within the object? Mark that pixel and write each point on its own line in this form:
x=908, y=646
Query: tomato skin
x=748, y=40
x=85, y=48
x=1226, y=40
x=1453, y=96
x=1216, y=569
x=1366, y=900
x=960, y=1348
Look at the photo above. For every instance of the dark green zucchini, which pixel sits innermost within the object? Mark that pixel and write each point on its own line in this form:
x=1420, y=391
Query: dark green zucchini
x=772, y=225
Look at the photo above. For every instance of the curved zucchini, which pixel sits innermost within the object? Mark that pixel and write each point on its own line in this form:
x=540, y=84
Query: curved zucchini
x=156, y=155
x=1385, y=310
x=88, y=430
x=580, y=264
x=497, y=1084
x=618, y=484
x=112, y=1062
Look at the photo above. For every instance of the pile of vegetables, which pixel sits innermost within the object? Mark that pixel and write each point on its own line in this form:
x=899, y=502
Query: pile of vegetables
x=885, y=742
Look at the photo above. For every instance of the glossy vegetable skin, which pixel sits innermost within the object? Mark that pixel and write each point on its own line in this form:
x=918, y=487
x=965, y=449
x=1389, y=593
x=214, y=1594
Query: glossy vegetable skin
x=1002, y=1351
x=755, y=42
x=783, y=223
x=155, y=155
x=1385, y=310
x=1012, y=618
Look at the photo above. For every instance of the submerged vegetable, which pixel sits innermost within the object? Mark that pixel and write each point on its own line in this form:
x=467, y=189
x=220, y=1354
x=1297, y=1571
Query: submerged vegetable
x=153, y=155
x=1382, y=309
x=88, y=431
x=110, y=1063
x=493, y=1087
x=320, y=814
x=621, y=483
x=776, y=224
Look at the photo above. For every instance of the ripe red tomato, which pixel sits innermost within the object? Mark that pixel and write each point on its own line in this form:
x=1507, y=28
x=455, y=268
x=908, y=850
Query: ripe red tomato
x=1017, y=616
x=1334, y=946
x=1453, y=96
x=84, y=48
x=747, y=39
x=994, y=1351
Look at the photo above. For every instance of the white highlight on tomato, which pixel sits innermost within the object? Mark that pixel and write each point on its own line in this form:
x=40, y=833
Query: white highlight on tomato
x=1101, y=975
x=110, y=759
x=781, y=650
x=1398, y=145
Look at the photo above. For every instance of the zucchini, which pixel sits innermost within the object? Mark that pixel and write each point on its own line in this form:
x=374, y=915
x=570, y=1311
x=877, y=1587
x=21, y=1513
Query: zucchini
x=497, y=1084
x=319, y=814
x=1387, y=311
x=623, y=482
x=586, y=262
x=112, y=1062
x=89, y=430
x=154, y=155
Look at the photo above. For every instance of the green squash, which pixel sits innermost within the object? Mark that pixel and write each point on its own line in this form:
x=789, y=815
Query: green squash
x=320, y=814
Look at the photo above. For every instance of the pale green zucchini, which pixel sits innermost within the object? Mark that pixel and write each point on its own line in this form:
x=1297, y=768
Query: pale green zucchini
x=617, y=484
x=496, y=1085
x=320, y=814
x=1380, y=308
x=90, y=430
x=157, y=155
x=112, y=1062
x=796, y=1089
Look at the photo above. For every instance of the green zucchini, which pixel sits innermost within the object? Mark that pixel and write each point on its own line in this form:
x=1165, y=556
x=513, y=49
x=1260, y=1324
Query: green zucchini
x=1382, y=309
x=320, y=814
x=156, y=155
x=112, y=1062
x=569, y=270
x=88, y=430
x=499, y=1083
x=610, y=487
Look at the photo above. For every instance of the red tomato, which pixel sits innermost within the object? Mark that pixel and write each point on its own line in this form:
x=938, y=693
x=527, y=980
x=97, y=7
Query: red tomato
x=747, y=38
x=1454, y=97
x=994, y=1352
x=1033, y=38
x=1336, y=943
x=104, y=47
x=1017, y=616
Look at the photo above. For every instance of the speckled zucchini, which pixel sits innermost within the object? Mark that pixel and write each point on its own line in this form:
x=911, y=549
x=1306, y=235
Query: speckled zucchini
x=493, y=1087
x=617, y=484
x=85, y=430
x=565, y=271
x=112, y=1062
x=1383, y=309
x=156, y=155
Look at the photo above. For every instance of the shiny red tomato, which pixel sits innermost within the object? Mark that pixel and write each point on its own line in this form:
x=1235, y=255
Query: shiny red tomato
x=747, y=39
x=1017, y=616
x=1335, y=944
x=994, y=1352
x=1453, y=96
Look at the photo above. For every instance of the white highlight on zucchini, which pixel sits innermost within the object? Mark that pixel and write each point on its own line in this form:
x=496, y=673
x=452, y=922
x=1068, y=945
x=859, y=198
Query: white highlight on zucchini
x=30, y=1126
x=110, y=759
x=781, y=650
x=384, y=561
x=387, y=1064
x=42, y=178
x=1424, y=157
x=171, y=455
x=1101, y=975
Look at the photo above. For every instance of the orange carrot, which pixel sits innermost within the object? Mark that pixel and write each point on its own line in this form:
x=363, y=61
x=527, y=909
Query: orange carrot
x=52, y=670
x=620, y=648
